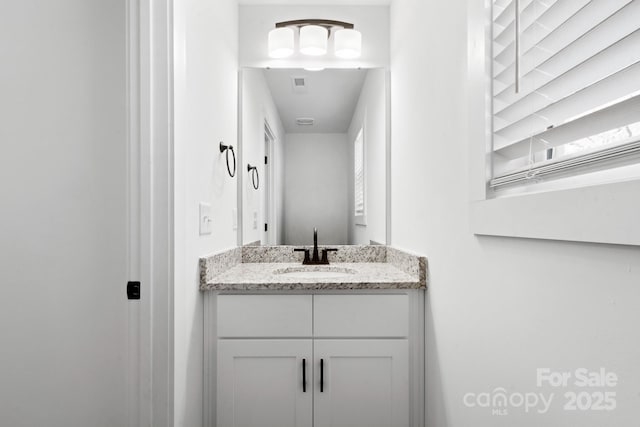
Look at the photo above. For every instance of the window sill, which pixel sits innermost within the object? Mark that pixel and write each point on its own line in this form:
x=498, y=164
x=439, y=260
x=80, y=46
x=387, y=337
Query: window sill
x=361, y=220
x=606, y=213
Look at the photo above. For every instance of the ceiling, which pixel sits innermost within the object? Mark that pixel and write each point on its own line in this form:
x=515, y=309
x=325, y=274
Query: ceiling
x=330, y=97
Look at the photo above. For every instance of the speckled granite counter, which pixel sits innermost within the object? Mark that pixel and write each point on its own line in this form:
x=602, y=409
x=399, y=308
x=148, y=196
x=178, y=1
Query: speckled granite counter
x=260, y=268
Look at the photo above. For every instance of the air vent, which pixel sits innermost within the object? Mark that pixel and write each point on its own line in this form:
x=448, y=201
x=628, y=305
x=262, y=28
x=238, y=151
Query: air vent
x=299, y=84
x=304, y=121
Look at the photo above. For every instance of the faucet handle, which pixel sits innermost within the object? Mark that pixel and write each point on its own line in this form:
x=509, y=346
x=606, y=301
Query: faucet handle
x=325, y=258
x=306, y=254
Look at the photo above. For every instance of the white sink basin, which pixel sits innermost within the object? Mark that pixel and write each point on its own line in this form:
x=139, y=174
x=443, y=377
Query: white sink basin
x=314, y=272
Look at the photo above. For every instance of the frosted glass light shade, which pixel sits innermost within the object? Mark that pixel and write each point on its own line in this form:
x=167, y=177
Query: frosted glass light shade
x=348, y=44
x=281, y=42
x=313, y=40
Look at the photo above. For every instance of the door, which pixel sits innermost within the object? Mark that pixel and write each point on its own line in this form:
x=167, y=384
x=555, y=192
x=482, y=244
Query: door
x=264, y=383
x=64, y=202
x=361, y=383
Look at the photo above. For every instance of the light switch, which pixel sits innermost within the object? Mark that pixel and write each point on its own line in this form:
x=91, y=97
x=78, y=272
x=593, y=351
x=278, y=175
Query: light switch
x=206, y=219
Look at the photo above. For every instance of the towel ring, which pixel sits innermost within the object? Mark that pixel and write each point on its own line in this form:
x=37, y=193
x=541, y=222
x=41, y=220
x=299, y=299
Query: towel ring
x=228, y=148
x=255, y=178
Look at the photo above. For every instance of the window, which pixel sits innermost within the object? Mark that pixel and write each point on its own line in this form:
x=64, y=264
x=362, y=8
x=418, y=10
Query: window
x=358, y=178
x=565, y=91
x=555, y=160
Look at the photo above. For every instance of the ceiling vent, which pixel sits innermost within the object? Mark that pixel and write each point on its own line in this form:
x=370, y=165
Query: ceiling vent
x=304, y=121
x=299, y=84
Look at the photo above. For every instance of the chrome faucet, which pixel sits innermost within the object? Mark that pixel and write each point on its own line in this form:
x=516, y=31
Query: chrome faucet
x=315, y=259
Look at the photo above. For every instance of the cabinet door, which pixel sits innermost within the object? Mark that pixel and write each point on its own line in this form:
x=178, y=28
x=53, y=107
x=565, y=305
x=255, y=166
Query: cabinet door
x=260, y=383
x=361, y=383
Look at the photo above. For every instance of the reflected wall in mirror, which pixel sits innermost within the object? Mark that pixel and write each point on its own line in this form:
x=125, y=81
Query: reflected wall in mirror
x=319, y=142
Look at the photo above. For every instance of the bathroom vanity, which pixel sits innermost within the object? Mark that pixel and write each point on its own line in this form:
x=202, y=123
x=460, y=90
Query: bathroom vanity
x=301, y=346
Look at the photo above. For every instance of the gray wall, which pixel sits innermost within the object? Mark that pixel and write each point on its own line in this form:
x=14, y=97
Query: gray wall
x=205, y=112
x=497, y=308
x=315, y=188
x=371, y=114
x=258, y=107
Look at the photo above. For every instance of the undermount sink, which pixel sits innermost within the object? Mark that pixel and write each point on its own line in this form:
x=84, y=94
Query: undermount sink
x=314, y=272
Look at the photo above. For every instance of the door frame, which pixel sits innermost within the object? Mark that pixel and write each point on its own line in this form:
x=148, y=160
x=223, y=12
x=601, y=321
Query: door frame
x=268, y=205
x=149, y=45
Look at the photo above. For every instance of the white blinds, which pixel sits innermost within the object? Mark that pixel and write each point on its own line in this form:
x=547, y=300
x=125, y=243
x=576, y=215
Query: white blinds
x=566, y=86
x=358, y=146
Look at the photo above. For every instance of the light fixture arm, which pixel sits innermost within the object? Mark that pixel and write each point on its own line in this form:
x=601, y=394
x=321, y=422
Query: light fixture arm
x=327, y=23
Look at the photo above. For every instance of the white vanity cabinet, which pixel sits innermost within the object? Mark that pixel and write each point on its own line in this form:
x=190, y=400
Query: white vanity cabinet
x=322, y=360
x=260, y=383
x=365, y=383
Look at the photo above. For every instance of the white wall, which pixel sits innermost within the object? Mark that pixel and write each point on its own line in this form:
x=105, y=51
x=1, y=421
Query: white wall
x=497, y=308
x=370, y=113
x=258, y=106
x=315, y=188
x=63, y=213
x=206, y=67
x=257, y=21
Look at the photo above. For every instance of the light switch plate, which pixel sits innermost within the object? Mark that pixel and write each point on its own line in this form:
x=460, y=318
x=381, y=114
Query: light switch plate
x=206, y=219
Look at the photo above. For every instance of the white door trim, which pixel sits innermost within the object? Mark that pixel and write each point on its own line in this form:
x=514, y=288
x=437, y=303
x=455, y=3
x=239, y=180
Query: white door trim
x=268, y=204
x=150, y=204
x=134, y=201
x=239, y=176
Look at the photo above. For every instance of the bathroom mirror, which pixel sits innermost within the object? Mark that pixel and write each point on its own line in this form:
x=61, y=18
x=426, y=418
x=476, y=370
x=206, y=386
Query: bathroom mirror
x=313, y=152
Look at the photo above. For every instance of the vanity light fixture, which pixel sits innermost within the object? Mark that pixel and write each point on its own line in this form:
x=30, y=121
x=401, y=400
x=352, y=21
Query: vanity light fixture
x=281, y=42
x=313, y=40
x=348, y=43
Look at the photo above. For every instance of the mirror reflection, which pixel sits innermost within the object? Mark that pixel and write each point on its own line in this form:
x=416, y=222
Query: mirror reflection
x=314, y=155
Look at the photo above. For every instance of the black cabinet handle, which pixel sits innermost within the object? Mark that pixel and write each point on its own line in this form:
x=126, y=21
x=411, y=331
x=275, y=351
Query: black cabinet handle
x=321, y=375
x=304, y=375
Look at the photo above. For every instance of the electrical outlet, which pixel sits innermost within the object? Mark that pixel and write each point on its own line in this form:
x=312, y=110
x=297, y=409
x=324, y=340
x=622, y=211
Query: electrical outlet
x=206, y=219
x=255, y=220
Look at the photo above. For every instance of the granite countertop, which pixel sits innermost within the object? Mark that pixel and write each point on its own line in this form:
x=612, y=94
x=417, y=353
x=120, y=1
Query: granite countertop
x=264, y=276
x=352, y=267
